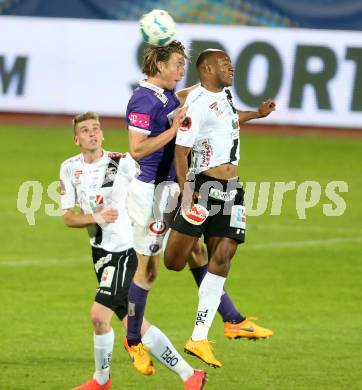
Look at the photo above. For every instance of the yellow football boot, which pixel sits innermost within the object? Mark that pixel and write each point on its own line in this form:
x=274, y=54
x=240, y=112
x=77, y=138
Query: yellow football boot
x=140, y=358
x=203, y=350
x=246, y=329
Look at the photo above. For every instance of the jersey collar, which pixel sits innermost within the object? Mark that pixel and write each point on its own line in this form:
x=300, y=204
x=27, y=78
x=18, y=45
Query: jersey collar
x=153, y=87
x=96, y=161
x=215, y=94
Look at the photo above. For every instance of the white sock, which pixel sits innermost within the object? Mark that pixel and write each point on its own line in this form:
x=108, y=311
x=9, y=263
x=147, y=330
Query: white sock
x=162, y=349
x=210, y=292
x=103, y=348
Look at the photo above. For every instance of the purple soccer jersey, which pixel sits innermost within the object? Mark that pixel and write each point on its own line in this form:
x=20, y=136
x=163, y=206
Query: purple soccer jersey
x=148, y=112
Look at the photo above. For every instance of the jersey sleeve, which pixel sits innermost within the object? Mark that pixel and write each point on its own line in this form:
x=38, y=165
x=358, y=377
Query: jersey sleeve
x=67, y=189
x=191, y=125
x=130, y=168
x=140, y=112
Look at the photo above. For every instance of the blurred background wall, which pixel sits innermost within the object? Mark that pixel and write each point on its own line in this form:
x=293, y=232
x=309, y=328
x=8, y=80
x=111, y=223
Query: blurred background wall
x=66, y=56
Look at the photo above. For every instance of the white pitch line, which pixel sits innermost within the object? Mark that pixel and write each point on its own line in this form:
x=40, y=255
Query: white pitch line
x=267, y=245
x=303, y=243
x=41, y=262
x=317, y=228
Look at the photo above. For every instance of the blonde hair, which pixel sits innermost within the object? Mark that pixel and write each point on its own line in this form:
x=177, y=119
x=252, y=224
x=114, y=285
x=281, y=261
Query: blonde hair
x=83, y=117
x=154, y=54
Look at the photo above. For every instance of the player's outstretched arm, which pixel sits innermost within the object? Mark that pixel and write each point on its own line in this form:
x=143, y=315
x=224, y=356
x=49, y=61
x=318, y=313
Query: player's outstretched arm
x=141, y=145
x=79, y=220
x=264, y=110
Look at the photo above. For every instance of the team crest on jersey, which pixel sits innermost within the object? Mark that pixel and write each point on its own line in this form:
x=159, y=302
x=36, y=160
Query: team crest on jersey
x=235, y=124
x=96, y=202
x=186, y=124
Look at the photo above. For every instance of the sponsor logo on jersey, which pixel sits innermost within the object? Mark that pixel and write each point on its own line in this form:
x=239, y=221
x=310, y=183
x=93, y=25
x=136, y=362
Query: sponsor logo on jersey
x=196, y=215
x=222, y=195
x=206, y=153
x=77, y=175
x=162, y=97
x=186, y=124
x=107, y=277
x=117, y=155
x=213, y=106
x=139, y=120
x=101, y=291
x=158, y=227
x=102, y=261
x=238, y=217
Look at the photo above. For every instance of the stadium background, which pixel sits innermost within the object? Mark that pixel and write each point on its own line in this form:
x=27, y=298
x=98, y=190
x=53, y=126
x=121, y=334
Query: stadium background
x=301, y=277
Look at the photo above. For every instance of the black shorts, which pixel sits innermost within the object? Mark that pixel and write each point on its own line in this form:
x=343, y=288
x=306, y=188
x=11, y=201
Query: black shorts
x=224, y=199
x=115, y=271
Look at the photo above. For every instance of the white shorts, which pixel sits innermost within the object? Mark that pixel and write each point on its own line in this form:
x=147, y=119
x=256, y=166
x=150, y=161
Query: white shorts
x=151, y=209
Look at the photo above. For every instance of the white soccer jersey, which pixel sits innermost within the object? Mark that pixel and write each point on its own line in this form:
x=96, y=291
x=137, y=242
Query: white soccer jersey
x=211, y=129
x=101, y=184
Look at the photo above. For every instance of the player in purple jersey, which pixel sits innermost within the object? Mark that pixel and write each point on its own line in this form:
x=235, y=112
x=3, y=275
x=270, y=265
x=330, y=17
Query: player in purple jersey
x=150, y=112
x=153, y=195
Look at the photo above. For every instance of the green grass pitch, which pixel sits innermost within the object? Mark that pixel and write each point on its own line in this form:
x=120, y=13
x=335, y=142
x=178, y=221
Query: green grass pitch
x=301, y=278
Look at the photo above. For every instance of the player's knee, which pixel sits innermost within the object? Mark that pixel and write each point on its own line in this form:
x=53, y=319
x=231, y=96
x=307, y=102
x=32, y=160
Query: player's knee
x=174, y=263
x=100, y=325
x=222, y=262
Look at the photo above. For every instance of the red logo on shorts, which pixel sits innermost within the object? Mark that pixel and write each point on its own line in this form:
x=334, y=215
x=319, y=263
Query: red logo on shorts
x=196, y=215
x=158, y=227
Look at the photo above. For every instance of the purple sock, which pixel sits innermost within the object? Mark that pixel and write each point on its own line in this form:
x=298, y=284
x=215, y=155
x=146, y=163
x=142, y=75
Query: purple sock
x=137, y=298
x=226, y=309
x=199, y=273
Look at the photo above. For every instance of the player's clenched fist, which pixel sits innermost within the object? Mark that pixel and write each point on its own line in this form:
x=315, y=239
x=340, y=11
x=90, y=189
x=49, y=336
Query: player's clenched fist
x=266, y=108
x=107, y=215
x=179, y=118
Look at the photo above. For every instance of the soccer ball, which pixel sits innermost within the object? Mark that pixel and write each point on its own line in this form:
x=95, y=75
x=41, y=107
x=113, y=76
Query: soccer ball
x=157, y=28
